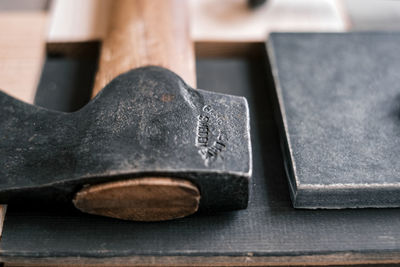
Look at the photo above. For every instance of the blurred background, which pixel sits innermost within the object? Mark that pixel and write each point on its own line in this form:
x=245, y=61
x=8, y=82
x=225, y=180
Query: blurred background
x=34, y=30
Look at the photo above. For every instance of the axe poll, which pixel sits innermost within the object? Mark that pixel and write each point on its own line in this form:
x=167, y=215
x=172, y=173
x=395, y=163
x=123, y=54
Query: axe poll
x=147, y=147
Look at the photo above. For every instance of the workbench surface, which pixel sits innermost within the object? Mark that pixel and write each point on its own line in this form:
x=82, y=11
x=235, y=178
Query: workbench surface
x=269, y=231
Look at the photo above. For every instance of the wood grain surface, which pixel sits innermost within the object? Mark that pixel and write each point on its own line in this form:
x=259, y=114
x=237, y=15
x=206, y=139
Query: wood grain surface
x=211, y=21
x=218, y=28
x=81, y=21
x=233, y=21
x=163, y=198
x=335, y=259
x=22, y=51
x=146, y=32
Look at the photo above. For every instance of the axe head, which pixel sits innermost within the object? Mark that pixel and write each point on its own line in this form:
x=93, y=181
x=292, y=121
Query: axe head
x=146, y=122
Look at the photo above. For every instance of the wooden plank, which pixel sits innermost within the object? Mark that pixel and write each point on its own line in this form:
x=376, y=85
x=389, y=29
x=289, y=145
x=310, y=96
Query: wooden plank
x=22, y=39
x=211, y=21
x=233, y=21
x=78, y=21
x=339, y=259
x=218, y=28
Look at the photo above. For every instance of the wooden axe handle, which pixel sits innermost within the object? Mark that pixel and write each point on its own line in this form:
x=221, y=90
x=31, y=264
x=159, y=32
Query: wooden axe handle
x=141, y=33
x=147, y=32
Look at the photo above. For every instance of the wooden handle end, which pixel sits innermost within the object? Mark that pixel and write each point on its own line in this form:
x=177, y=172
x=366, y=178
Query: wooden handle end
x=142, y=199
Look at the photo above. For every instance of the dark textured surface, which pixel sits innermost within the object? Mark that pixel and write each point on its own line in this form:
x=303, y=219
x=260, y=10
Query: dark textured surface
x=339, y=97
x=270, y=226
x=146, y=122
x=66, y=85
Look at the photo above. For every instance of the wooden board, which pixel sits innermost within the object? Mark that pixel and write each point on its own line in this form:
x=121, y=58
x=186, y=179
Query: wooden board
x=22, y=38
x=232, y=20
x=270, y=231
x=211, y=21
x=78, y=21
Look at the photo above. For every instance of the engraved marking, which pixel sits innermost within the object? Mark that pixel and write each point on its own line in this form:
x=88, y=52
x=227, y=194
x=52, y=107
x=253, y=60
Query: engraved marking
x=210, y=139
x=202, y=131
x=208, y=109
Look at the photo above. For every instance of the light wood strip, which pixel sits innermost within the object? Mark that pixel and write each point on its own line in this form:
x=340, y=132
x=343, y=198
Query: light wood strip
x=336, y=259
x=211, y=21
x=22, y=39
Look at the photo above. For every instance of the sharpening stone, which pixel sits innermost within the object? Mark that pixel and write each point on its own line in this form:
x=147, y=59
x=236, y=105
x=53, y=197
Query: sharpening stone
x=338, y=109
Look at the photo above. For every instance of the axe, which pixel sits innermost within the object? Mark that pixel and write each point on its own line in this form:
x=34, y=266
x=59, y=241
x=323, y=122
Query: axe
x=148, y=146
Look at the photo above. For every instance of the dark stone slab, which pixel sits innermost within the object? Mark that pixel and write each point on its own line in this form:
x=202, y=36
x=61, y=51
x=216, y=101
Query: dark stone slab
x=268, y=227
x=339, y=99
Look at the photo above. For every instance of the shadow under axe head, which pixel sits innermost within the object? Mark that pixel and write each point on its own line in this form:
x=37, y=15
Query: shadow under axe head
x=145, y=123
